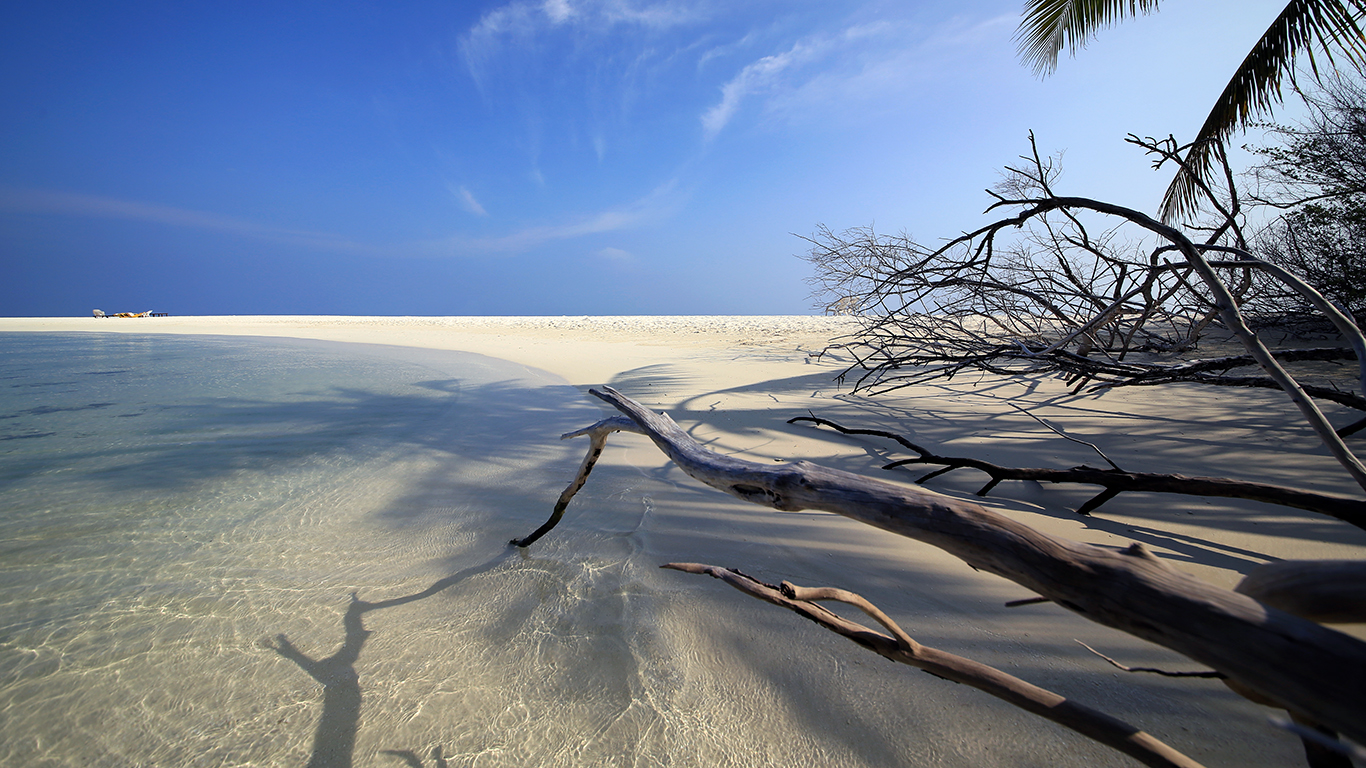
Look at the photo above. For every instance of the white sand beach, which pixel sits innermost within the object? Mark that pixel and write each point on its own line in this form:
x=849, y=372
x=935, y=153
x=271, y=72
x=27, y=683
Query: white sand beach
x=712, y=677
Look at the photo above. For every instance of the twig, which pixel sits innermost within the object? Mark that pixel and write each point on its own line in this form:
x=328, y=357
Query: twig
x=1211, y=674
x=1066, y=436
x=597, y=434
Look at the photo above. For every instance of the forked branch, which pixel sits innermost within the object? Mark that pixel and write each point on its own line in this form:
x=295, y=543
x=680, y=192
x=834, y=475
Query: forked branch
x=1115, y=481
x=900, y=647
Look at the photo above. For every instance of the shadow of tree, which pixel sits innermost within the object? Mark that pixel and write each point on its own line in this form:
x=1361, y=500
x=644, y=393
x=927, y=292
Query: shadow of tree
x=334, y=738
x=411, y=759
x=321, y=400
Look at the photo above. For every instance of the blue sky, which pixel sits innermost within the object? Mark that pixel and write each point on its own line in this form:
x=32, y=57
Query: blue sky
x=548, y=157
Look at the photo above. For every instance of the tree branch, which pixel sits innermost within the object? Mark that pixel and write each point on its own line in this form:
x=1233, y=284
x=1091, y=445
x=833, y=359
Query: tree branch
x=1345, y=508
x=901, y=648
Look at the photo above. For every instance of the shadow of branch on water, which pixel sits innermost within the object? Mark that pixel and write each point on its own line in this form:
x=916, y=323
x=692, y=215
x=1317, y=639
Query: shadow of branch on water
x=334, y=738
x=411, y=759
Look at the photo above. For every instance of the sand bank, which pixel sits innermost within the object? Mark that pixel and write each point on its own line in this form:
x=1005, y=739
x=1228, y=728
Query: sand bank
x=584, y=350
x=771, y=688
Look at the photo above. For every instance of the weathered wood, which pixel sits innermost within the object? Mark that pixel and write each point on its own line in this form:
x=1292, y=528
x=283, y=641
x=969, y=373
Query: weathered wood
x=598, y=436
x=1331, y=591
x=1114, y=481
x=901, y=648
x=1313, y=670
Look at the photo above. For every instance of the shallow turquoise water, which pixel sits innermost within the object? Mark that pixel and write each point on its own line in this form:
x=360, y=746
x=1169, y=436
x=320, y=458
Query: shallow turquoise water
x=172, y=504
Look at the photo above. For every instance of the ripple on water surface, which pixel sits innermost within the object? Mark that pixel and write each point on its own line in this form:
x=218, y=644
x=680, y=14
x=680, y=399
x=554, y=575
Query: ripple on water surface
x=172, y=504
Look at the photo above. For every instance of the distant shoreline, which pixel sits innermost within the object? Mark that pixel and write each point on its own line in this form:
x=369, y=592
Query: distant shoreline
x=585, y=350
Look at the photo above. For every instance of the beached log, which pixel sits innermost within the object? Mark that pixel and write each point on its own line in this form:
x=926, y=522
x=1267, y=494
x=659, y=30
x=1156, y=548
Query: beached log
x=900, y=647
x=1332, y=591
x=1303, y=666
x=1116, y=481
x=1328, y=591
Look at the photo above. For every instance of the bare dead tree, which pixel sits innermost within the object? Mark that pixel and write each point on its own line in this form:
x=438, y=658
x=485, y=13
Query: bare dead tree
x=1315, y=176
x=1068, y=286
x=1058, y=299
x=983, y=301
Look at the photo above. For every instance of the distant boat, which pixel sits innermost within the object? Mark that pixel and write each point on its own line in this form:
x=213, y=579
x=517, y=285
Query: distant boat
x=148, y=313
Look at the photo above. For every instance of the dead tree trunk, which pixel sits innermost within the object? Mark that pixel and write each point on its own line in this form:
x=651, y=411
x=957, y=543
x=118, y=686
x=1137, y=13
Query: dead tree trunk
x=1298, y=664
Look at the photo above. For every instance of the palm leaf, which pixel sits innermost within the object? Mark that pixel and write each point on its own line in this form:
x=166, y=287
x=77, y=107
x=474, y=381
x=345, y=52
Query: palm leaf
x=1328, y=25
x=1049, y=25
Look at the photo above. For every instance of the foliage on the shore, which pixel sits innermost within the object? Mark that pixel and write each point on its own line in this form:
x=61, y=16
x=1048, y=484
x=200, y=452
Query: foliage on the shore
x=1330, y=27
x=1317, y=175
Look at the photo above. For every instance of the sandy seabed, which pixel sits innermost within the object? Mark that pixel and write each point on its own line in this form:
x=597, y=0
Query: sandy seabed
x=714, y=678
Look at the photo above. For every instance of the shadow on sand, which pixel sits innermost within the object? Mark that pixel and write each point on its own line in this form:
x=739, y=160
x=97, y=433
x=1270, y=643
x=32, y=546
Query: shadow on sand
x=334, y=739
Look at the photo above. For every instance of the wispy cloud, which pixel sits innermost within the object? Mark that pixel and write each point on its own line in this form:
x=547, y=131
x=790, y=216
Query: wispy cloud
x=726, y=49
x=96, y=206
x=660, y=203
x=754, y=78
x=467, y=200
x=614, y=254
x=514, y=27
x=559, y=11
x=778, y=72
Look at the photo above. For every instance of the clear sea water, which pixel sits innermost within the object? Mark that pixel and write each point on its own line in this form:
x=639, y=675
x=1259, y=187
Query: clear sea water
x=184, y=519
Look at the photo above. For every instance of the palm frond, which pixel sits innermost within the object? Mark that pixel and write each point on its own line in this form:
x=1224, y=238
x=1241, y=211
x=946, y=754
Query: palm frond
x=1049, y=25
x=1330, y=26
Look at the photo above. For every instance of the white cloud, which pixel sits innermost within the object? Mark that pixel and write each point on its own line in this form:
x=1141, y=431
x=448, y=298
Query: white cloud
x=468, y=201
x=873, y=66
x=97, y=206
x=752, y=79
x=512, y=27
x=557, y=10
x=614, y=254
x=660, y=203
x=721, y=51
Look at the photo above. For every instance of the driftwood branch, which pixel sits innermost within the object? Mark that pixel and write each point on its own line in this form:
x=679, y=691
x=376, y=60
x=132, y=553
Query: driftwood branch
x=1206, y=674
x=1303, y=666
x=1114, y=482
x=900, y=647
x=1329, y=591
x=1066, y=436
x=598, y=436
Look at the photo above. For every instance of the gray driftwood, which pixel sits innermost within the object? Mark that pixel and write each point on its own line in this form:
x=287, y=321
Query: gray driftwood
x=1332, y=591
x=900, y=647
x=1116, y=481
x=1312, y=670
